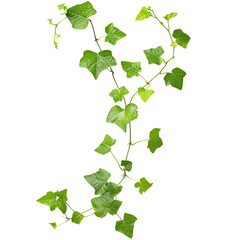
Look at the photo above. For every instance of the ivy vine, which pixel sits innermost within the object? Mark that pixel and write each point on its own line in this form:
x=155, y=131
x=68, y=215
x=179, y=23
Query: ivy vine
x=106, y=191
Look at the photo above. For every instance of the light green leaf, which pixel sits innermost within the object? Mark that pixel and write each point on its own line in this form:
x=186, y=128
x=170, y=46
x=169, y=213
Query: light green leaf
x=143, y=14
x=98, y=181
x=126, y=225
x=77, y=217
x=127, y=165
x=97, y=62
x=54, y=225
x=105, y=146
x=113, y=34
x=117, y=95
x=113, y=189
x=182, y=38
x=155, y=141
x=170, y=15
x=153, y=55
x=78, y=15
x=143, y=185
x=175, y=78
x=145, y=94
x=131, y=68
x=121, y=117
x=105, y=204
x=62, y=7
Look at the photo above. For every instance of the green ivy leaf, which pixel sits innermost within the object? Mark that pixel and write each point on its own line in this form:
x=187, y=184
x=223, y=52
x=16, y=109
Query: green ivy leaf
x=113, y=34
x=182, y=38
x=105, y=146
x=62, y=7
x=54, y=225
x=153, y=55
x=98, y=181
x=97, y=62
x=127, y=165
x=117, y=95
x=113, y=189
x=105, y=204
x=126, y=225
x=131, y=68
x=121, y=117
x=55, y=200
x=170, y=15
x=145, y=94
x=155, y=141
x=77, y=217
x=78, y=15
x=143, y=185
x=143, y=14
x=175, y=78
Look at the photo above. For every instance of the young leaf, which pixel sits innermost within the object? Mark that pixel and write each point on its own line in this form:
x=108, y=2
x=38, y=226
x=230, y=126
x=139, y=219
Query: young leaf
x=62, y=7
x=145, y=94
x=143, y=14
x=126, y=225
x=78, y=15
x=98, y=181
x=127, y=165
x=153, y=55
x=113, y=34
x=131, y=68
x=175, y=79
x=105, y=146
x=143, y=185
x=170, y=15
x=121, y=117
x=117, y=95
x=182, y=38
x=54, y=225
x=77, y=217
x=155, y=141
x=105, y=204
x=97, y=62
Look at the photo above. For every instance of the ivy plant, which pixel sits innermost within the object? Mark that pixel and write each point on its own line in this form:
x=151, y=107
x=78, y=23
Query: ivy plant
x=122, y=114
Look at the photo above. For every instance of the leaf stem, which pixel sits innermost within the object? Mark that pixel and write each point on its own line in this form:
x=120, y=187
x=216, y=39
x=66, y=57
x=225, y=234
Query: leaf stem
x=89, y=215
x=116, y=161
x=69, y=206
x=119, y=216
x=87, y=210
x=132, y=178
x=94, y=33
x=124, y=175
x=140, y=141
x=63, y=222
x=143, y=79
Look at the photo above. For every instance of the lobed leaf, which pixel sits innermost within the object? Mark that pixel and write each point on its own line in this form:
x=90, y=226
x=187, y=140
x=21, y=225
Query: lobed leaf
x=170, y=15
x=155, y=141
x=143, y=14
x=113, y=189
x=182, y=39
x=105, y=146
x=117, y=95
x=77, y=217
x=131, y=68
x=145, y=94
x=121, y=117
x=126, y=225
x=78, y=15
x=113, y=34
x=97, y=62
x=143, y=185
x=153, y=55
x=62, y=7
x=127, y=165
x=175, y=79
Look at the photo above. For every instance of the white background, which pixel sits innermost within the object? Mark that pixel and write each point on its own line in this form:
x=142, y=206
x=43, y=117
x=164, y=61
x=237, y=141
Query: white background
x=52, y=117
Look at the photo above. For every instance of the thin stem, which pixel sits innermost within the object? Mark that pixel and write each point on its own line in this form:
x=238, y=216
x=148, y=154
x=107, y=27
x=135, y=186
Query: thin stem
x=116, y=161
x=94, y=33
x=63, y=222
x=132, y=178
x=87, y=210
x=140, y=141
x=89, y=215
x=143, y=79
x=69, y=206
x=124, y=175
x=119, y=216
x=130, y=140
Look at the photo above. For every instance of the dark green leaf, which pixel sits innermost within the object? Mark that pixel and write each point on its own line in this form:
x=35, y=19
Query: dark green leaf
x=127, y=165
x=77, y=217
x=155, y=141
x=131, y=68
x=98, y=181
x=113, y=188
x=121, y=117
x=113, y=34
x=54, y=225
x=78, y=15
x=105, y=204
x=126, y=225
x=117, y=95
x=170, y=15
x=145, y=94
x=143, y=185
x=97, y=62
x=175, y=78
x=105, y=146
x=143, y=14
x=182, y=38
x=153, y=55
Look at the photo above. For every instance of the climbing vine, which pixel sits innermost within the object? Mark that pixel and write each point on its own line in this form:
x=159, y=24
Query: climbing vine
x=106, y=191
